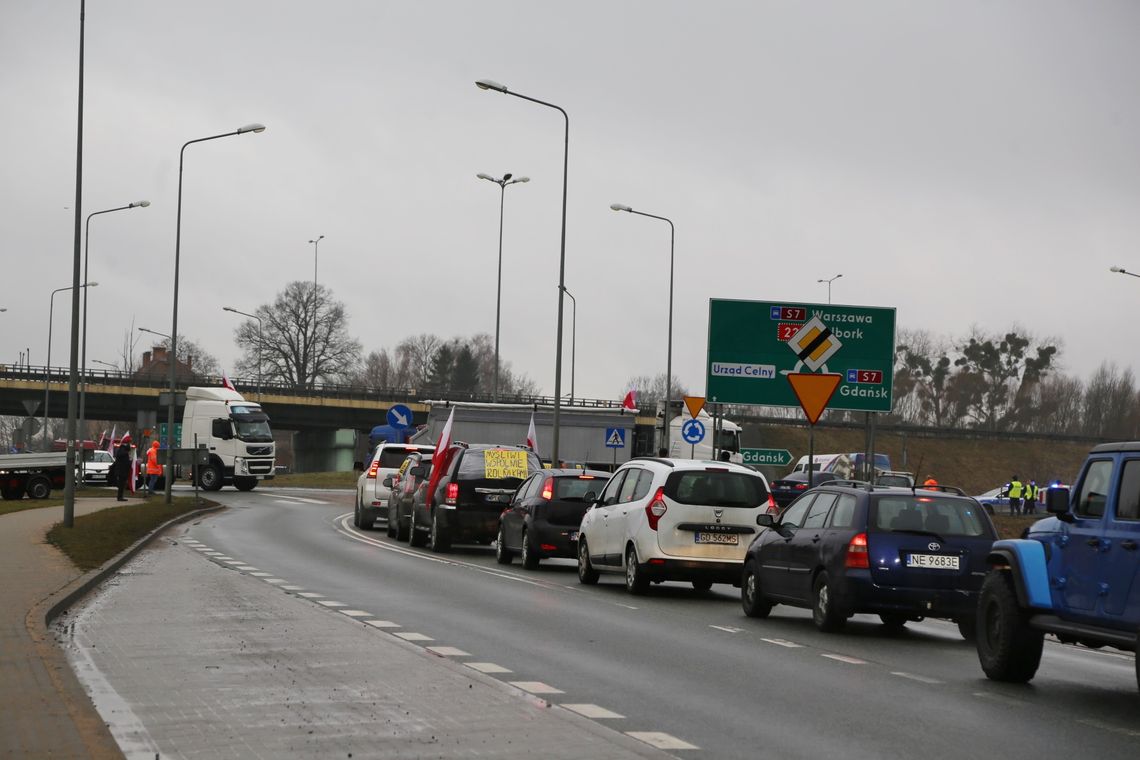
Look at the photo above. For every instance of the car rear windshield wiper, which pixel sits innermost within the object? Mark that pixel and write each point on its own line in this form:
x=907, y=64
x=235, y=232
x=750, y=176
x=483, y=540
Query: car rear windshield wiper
x=918, y=532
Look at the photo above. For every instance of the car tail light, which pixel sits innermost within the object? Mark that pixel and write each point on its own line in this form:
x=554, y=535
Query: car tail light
x=548, y=489
x=452, y=493
x=585, y=477
x=548, y=547
x=857, y=556
x=801, y=486
x=656, y=508
x=773, y=507
x=373, y=468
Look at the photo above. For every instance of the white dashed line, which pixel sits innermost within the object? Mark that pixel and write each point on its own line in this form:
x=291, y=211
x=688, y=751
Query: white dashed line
x=1000, y=698
x=274, y=580
x=308, y=501
x=382, y=624
x=221, y=556
x=410, y=636
x=593, y=711
x=214, y=554
x=845, y=658
x=261, y=575
x=234, y=562
x=292, y=588
x=202, y=548
x=726, y=628
x=627, y=606
x=660, y=740
x=356, y=613
x=784, y=643
x=536, y=687
x=1100, y=724
x=448, y=651
x=328, y=603
x=487, y=667
x=310, y=595
x=913, y=677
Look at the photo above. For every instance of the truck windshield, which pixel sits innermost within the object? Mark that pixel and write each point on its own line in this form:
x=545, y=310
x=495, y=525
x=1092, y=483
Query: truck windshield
x=251, y=424
x=729, y=440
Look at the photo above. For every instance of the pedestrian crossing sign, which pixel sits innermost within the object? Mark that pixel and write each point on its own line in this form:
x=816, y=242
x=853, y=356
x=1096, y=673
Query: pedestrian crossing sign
x=615, y=438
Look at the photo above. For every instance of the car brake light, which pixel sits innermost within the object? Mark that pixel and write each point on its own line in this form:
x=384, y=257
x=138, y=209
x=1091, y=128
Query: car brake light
x=548, y=489
x=801, y=486
x=548, y=547
x=857, y=556
x=452, y=493
x=372, y=470
x=656, y=508
x=585, y=477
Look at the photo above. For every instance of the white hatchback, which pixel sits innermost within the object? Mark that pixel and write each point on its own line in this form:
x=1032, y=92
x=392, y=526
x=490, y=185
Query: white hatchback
x=673, y=520
x=371, y=493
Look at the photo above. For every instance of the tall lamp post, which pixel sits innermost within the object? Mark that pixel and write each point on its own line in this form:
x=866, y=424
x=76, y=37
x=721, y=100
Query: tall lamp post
x=316, y=247
x=829, y=281
x=487, y=84
x=174, y=318
x=83, y=359
x=1122, y=270
x=573, y=338
x=502, y=183
x=669, y=352
x=252, y=316
x=47, y=367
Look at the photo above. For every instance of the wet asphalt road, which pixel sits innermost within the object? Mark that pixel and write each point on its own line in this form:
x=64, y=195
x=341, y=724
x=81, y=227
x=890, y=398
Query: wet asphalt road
x=691, y=663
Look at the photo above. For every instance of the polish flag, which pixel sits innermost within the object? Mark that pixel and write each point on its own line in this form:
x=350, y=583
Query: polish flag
x=532, y=436
x=134, y=461
x=226, y=382
x=441, y=458
x=630, y=400
x=111, y=441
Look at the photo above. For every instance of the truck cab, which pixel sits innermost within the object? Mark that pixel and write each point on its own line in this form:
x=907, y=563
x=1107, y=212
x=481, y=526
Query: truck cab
x=728, y=438
x=235, y=431
x=1075, y=574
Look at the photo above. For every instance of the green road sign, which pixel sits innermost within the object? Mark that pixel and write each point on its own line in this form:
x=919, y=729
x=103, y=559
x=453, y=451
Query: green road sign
x=774, y=457
x=753, y=345
x=177, y=433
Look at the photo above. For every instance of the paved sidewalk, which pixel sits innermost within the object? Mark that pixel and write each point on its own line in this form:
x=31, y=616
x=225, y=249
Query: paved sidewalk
x=44, y=712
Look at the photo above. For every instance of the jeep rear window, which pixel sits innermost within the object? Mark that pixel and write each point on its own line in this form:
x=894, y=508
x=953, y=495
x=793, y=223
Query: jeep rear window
x=716, y=488
x=392, y=458
x=574, y=487
x=945, y=517
x=473, y=466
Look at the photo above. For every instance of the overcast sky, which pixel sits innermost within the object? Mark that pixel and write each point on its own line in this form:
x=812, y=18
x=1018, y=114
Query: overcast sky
x=970, y=163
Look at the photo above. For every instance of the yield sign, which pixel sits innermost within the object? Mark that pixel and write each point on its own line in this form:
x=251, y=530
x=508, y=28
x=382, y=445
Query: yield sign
x=694, y=404
x=814, y=391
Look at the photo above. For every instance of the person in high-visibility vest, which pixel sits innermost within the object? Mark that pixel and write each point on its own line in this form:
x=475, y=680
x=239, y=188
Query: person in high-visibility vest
x=930, y=481
x=1015, y=489
x=153, y=468
x=1029, y=499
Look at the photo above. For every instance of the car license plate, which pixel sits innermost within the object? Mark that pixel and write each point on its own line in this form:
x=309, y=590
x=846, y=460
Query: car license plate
x=933, y=561
x=717, y=538
x=498, y=498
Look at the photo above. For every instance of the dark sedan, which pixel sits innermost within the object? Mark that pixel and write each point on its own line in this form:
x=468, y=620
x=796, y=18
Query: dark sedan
x=545, y=513
x=786, y=489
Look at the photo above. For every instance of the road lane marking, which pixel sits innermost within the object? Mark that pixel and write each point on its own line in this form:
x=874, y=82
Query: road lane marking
x=328, y=603
x=310, y=595
x=1000, y=698
x=292, y=588
x=235, y=562
x=261, y=575
x=307, y=501
x=222, y=556
x=287, y=503
x=726, y=628
x=245, y=568
x=784, y=643
x=536, y=687
x=627, y=606
x=277, y=580
x=448, y=651
x=202, y=548
x=914, y=677
x=845, y=658
x=487, y=667
x=1108, y=726
x=596, y=712
x=215, y=555
x=356, y=613
x=660, y=740
x=410, y=636
x=382, y=624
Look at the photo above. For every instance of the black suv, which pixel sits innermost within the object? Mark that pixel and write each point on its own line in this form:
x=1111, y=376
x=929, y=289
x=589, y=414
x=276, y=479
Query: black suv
x=475, y=486
x=844, y=548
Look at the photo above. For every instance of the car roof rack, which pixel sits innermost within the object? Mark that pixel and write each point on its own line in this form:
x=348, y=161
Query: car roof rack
x=954, y=490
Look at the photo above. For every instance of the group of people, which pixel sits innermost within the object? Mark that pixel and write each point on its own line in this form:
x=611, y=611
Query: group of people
x=1023, y=496
x=122, y=469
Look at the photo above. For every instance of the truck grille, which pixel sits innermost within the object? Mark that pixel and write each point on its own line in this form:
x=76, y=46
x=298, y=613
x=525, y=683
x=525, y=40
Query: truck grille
x=260, y=467
x=259, y=451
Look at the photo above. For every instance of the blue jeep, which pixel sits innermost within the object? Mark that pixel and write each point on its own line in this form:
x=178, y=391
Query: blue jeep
x=1075, y=575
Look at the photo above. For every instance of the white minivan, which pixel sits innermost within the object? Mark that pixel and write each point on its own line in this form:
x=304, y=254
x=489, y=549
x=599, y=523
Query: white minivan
x=672, y=520
x=371, y=493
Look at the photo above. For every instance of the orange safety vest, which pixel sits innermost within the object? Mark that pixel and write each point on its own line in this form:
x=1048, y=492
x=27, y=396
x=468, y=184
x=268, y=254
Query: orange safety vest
x=152, y=465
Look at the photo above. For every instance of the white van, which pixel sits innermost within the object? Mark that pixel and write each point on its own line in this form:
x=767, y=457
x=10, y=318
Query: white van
x=820, y=463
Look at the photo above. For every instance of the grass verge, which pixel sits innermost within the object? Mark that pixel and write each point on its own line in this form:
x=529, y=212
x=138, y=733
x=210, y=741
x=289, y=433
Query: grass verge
x=1012, y=526
x=19, y=505
x=315, y=480
x=101, y=535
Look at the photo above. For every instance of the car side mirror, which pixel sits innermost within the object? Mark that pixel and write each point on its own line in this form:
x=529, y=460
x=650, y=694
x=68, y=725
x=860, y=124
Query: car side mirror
x=1057, y=501
x=765, y=521
x=589, y=497
x=387, y=482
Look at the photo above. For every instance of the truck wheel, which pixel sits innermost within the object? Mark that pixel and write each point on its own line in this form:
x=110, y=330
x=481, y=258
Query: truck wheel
x=210, y=478
x=824, y=610
x=1008, y=649
x=245, y=483
x=39, y=487
x=751, y=598
x=439, y=541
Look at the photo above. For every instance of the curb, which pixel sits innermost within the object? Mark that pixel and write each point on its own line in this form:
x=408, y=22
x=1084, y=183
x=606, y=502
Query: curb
x=94, y=733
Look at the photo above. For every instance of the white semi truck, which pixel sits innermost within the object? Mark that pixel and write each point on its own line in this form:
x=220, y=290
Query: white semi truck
x=236, y=433
x=728, y=438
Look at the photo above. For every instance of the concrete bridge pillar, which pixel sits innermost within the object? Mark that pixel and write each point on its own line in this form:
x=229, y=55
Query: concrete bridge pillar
x=324, y=450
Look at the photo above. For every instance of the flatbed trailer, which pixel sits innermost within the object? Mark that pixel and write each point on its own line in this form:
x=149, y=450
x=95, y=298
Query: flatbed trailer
x=32, y=474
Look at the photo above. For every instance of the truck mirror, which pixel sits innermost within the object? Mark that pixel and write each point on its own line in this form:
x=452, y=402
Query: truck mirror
x=221, y=429
x=1057, y=500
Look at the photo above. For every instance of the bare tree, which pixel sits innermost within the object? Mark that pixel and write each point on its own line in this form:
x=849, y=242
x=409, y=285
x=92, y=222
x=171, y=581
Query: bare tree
x=416, y=354
x=651, y=389
x=304, y=339
x=1110, y=402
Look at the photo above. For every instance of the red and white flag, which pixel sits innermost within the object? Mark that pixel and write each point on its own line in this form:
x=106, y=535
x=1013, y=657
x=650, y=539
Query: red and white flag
x=134, y=461
x=532, y=436
x=630, y=400
x=111, y=441
x=226, y=382
x=441, y=457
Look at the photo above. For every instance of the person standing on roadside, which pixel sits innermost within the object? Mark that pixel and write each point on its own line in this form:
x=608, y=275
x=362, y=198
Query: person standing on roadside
x=153, y=468
x=930, y=481
x=122, y=467
x=1030, y=499
x=1015, y=489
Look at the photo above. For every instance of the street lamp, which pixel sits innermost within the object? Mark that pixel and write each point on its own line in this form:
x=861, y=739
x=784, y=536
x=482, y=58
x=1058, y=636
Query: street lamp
x=316, y=246
x=669, y=352
x=829, y=281
x=83, y=360
x=487, y=84
x=573, y=339
x=105, y=364
x=47, y=367
x=1122, y=270
x=252, y=316
x=174, y=318
x=502, y=183
x=154, y=332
